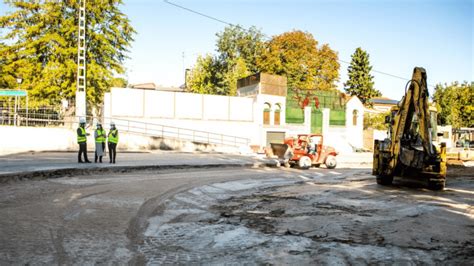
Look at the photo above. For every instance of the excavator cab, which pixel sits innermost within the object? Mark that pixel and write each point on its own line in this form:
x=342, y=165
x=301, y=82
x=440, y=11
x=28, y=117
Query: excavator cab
x=409, y=151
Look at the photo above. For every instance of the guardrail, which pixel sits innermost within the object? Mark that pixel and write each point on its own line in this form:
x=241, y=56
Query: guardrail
x=130, y=126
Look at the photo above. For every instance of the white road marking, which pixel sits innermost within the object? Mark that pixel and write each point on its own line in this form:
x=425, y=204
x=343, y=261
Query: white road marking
x=304, y=177
x=335, y=173
x=319, y=174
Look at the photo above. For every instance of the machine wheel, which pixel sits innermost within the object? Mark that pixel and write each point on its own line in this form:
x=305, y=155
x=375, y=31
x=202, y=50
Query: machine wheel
x=331, y=162
x=436, y=185
x=385, y=180
x=304, y=162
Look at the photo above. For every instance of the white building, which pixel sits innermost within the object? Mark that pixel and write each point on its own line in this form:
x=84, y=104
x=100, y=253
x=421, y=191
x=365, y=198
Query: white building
x=257, y=113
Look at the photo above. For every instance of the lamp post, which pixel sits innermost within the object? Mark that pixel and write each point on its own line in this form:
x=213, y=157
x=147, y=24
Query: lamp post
x=19, y=80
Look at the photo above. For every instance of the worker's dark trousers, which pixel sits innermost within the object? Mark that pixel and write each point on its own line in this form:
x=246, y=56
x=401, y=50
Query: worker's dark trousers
x=100, y=157
x=82, y=150
x=112, y=151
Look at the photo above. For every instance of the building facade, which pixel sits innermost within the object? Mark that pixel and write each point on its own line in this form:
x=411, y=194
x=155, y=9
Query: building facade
x=257, y=113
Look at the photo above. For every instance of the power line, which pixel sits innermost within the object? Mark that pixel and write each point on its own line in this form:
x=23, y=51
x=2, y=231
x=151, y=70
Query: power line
x=268, y=37
x=198, y=13
x=211, y=17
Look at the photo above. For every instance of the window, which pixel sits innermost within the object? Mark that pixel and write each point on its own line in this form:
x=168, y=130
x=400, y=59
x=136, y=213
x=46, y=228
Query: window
x=276, y=118
x=266, y=114
x=354, y=117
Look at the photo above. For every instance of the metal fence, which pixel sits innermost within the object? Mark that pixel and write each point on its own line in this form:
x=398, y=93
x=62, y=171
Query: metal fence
x=32, y=117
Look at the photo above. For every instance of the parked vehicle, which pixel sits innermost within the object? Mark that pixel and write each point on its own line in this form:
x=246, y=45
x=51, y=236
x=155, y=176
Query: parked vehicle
x=305, y=150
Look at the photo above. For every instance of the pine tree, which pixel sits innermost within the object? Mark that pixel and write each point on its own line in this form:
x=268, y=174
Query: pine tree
x=40, y=46
x=360, y=81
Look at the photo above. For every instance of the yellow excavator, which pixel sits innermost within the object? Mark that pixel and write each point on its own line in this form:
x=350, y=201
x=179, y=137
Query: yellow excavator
x=408, y=151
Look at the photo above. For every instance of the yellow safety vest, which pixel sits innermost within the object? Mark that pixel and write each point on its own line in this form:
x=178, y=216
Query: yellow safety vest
x=113, y=139
x=83, y=138
x=100, y=136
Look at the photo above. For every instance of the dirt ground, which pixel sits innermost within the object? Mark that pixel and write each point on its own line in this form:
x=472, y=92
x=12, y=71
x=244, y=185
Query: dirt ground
x=236, y=216
x=330, y=219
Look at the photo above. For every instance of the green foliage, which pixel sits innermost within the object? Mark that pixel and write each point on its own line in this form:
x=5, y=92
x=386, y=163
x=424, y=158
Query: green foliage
x=118, y=83
x=296, y=55
x=237, y=55
x=375, y=121
x=205, y=76
x=241, y=52
x=40, y=45
x=360, y=81
x=237, y=43
x=455, y=104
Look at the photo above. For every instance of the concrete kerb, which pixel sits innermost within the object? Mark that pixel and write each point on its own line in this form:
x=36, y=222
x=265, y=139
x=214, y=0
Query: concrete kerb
x=69, y=172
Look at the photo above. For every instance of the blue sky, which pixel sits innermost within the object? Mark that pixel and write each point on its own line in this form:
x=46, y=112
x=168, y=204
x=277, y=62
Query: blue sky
x=398, y=35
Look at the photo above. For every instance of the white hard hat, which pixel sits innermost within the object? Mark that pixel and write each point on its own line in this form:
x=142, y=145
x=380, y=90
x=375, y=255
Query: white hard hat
x=82, y=120
x=112, y=123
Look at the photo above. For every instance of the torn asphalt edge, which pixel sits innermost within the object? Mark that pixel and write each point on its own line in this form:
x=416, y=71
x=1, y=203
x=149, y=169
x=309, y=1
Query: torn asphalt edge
x=69, y=172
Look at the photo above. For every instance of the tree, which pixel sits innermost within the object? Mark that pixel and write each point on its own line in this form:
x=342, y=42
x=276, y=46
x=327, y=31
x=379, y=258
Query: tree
x=41, y=47
x=241, y=52
x=375, y=121
x=118, y=82
x=236, y=42
x=238, y=50
x=455, y=104
x=360, y=81
x=296, y=55
x=205, y=77
x=308, y=68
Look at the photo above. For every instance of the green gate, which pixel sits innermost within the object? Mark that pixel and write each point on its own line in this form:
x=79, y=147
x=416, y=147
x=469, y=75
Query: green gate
x=333, y=100
x=316, y=121
x=294, y=114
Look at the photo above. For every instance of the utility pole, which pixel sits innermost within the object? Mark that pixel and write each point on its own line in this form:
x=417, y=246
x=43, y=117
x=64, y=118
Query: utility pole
x=81, y=62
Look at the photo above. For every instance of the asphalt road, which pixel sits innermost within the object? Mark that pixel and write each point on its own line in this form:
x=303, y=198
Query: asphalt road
x=234, y=215
x=46, y=161
x=41, y=161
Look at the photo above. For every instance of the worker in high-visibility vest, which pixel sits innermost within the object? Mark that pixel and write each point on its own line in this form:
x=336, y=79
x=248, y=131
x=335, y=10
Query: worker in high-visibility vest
x=99, y=135
x=112, y=142
x=82, y=141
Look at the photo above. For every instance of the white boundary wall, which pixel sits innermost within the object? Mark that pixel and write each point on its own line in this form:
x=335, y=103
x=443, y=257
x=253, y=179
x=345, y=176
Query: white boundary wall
x=136, y=103
x=234, y=116
x=36, y=139
x=24, y=139
x=355, y=134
